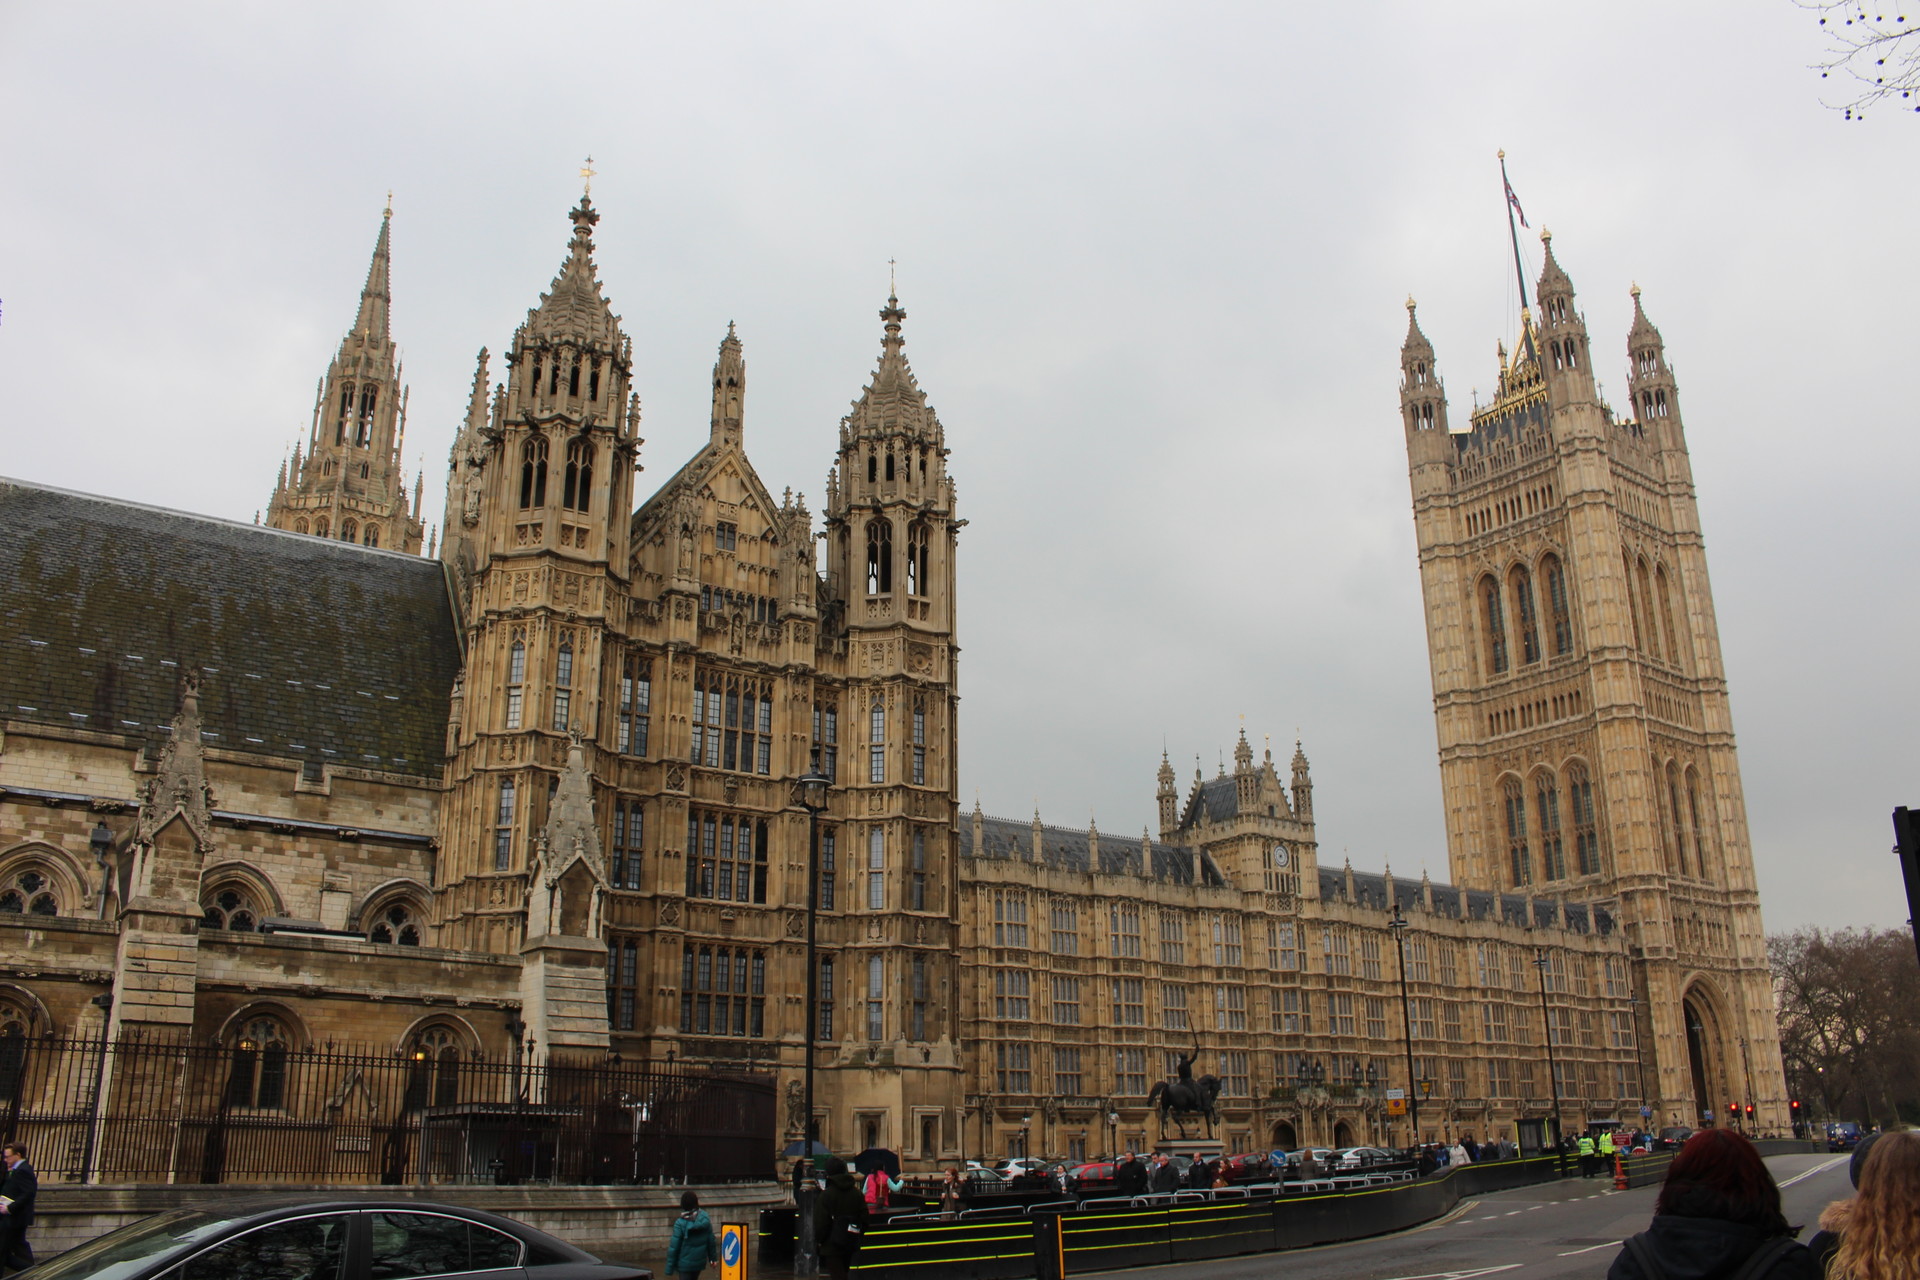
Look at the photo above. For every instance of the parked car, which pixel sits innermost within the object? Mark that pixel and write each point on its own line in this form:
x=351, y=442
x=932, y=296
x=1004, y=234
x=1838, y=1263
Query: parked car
x=295, y=1238
x=1252, y=1167
x=1018, y=1165
x=1672, y=1138
x=1357, y=1159
x=983, y=1181
x=1092, y=1180
x=1309, y=1162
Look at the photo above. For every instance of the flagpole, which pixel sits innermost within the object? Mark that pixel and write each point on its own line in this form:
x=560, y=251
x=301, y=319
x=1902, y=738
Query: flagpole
x=1519, y=272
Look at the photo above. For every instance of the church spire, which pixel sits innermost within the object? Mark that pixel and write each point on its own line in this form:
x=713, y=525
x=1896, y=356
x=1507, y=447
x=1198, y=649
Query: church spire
x=376, y=298
x=729, y=389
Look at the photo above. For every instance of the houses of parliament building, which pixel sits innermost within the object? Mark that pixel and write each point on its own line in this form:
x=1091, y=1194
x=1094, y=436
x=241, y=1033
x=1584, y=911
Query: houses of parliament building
x=298, y=783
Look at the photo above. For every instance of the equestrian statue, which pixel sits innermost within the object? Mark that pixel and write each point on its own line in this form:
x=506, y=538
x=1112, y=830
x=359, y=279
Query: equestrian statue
x=1185, y=1095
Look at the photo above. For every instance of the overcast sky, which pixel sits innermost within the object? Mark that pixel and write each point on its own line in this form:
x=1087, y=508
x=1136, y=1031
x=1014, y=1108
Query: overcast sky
x=1154, y=259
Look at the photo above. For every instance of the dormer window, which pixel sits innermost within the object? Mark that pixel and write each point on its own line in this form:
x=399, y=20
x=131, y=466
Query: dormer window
x=726, y=535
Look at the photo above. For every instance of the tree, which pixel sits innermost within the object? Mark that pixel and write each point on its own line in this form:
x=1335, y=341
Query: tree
x=1848, y=1038
x=1871, y=49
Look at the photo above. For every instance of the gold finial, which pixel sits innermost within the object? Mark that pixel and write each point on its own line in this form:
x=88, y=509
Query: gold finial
x=389, y=210
x=893, y=286
x=1546, y=237
x=1502, y=153
x=1410, y=302
x=587, y=172
x=1635, y=291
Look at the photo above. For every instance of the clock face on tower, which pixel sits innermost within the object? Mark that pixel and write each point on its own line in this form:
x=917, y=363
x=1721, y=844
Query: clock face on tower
x=1281, y=858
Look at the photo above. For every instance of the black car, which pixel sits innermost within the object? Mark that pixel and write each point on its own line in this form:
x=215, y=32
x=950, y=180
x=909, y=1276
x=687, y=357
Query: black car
x=288, y=1238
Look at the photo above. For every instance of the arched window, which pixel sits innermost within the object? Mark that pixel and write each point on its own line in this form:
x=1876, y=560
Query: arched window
x=1586, y=836
x=534, y=384
x=876, y=997
x=1646, y=608
x=1676, y=825
x=396, y=924
x=231, y=907
x=1559, y=619
x=593, y=382
x=1573, y=354
x=1696, y=823
x=873, y=467
x=917, y=559
x=300, y=525
x=1666, y=614
x=1495, y=619
x=1633, y=601
x=562, y=686
x=1521, y=583
x=503, y=827
x=320, y=527
x=349, y=530
x=576, y=489
x=1519, y=857
x=533, y=473
x=553, y=377
x=17, y=1019
x=573, y=377
x=877, y=742
x=257, y=1065
x=1557, y=362
x=30, y=893
x=435, y=1077
x=363, y=432
x=1553, y=856
x=372, y=535
x=516, y=683
x=346, y=410
x=879, y=557
x=1659, y=404
x=889, y=464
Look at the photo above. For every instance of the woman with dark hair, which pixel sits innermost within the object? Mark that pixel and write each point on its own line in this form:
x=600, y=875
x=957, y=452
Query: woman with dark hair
x=1718, y=1218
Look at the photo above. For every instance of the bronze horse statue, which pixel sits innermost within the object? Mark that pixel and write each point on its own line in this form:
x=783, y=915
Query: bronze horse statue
x=1179, y=1098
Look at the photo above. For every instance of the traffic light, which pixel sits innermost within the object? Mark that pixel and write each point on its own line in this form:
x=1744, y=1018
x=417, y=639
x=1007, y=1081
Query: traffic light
x=1733, y=1113
x=1794, y=1106
x=1749, y=1113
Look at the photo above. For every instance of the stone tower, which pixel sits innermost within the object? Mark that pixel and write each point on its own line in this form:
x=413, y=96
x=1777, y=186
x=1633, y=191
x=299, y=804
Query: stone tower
x=346, y=483
x=1586, y=744
x=540, y=490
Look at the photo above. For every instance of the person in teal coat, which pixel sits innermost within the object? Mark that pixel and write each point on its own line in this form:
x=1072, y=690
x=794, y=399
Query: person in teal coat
x=691, y=1248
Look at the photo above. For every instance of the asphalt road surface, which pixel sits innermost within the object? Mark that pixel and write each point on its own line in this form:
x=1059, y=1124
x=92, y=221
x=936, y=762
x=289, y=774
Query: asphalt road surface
x=1568, y=1230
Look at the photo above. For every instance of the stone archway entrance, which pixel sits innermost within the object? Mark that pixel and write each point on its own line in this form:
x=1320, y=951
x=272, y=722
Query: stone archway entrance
x=1704, y=1063
x=1343, y=1134
x=1284, y=1136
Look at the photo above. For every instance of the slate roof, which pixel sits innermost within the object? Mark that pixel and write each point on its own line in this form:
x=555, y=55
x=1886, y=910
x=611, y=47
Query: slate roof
x=1069, y=850
x=308, y=648
x=1370, y=890
x=1218, y=799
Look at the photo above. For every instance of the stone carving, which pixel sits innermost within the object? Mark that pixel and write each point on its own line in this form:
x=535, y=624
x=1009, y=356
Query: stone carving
x=796, y=924
x=676, y=778
x=669, y=913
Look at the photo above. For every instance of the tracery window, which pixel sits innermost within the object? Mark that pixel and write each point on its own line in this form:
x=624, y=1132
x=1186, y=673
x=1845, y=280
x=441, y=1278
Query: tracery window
x=576, y=484
x=1695, y=823
x=876, y=991
x=877, y=742
x=349, y=531
x=1494, y=617
x=1336, y=951
x=629, y=830
x=533, y=472
x=917, y=534
x=1646, y=607
x=516, y=683
x=823, y=1016
x=1553, y=857
x=828, y=868
x=371, y=537
x=320, y=525
x=396, y=924
x=1066, y=1001
x=1666, y=614
x=877, y=869
x=30, y=894
x=562, y=686
x=1173, y=937
x=1010, y=994
x=917, y=890
x=723, y=991
x=726, y=857
x=879, y=556
x=732, y=723
x=435, y=1078
x=1065, y=922
x=1586, y=837
x=503, y=827
x=826, y=738
x=623, y=982
x=1633, y=600
x=1013, y=1066
x=1173, y=1006
x=232, y=908
x=1519, y=857
x=636, y=706
x=1125, y=923
x=346, y=409
x=257, y=1065
x=919, y=743
x=1559, y=619
x=1675, y=825
x=369, y=399
x=1523, y=615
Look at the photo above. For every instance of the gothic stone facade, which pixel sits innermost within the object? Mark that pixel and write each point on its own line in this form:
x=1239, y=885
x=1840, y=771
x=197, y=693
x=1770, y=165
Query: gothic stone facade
x=263, y=783
x=1586, y=743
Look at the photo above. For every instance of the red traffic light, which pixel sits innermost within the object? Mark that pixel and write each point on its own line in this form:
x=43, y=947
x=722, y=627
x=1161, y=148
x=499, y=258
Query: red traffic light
x=1795, y=1104
x=1749, y=1111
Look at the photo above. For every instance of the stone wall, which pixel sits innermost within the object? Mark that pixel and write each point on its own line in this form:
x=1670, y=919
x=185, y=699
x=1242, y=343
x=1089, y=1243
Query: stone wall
x=624, y=1224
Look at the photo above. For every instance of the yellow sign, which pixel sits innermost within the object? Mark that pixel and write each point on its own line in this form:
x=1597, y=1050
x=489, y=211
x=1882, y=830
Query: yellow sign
x=733, y=1251
x=1396, y=1106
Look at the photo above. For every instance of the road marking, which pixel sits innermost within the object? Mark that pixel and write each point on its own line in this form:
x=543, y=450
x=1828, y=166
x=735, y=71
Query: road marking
x=1590, y=1248
x=1514, y=1213
x=1819, y=1168
x=1462, y=1275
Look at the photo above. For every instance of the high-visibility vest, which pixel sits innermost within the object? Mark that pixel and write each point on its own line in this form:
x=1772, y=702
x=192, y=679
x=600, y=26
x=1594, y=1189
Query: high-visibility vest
x=1586, y=1146
x=1606, y=1144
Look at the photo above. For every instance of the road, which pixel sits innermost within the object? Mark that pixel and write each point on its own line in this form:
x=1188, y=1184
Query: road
x=1568, y=1230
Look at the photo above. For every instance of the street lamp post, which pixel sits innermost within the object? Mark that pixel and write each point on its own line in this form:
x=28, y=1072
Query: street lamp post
x=1398, y=923
x=1639, y=1056
x=811, y=792
x=1553, y=1067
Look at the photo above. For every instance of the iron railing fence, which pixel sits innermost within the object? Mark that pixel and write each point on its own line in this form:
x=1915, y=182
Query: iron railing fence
x=168, y=1110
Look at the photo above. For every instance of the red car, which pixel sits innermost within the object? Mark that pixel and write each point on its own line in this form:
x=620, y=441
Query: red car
x=1092, y=1180
x=1254, y=1167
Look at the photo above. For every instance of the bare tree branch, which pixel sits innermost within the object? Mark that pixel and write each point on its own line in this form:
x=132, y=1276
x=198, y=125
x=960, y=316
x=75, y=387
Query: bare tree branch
x=1870, y=50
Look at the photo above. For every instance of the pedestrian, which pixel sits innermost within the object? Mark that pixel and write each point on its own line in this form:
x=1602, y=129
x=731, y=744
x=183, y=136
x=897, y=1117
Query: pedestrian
x=879, y=1189
x=1605, y=1156
x=1199, y=1177
x=1130, y=1176
x=952, y=1191
x=1876, y=1235
x=691, y=1246
x=1469, y=1147
x=17, y=1193
x=1718, y=1216
x=1165, y=1178
x=839, y=1220
x=1220, y=1175
x=1458, y=1155
x=1584, y=1144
